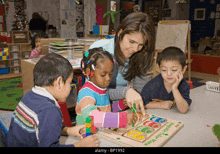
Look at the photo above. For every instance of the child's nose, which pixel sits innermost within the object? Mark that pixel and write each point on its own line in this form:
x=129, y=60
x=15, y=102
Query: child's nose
x=169, y=72
x=108, y=77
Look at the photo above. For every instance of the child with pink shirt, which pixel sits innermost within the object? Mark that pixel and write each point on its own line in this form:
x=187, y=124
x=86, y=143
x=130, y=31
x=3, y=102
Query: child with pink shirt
x=35, y=53
x=93, y=98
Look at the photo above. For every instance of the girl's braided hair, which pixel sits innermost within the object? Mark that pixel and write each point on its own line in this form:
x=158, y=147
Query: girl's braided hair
x=92, y=55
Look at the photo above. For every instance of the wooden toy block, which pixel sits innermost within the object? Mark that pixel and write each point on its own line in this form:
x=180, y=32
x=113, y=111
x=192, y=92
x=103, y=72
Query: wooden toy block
x=93, y=129
x=88, y=130
x=91, y=117
x=88, y=125
x=88, y=119
x=92, y=123
x=83, y=135
x=88, y=134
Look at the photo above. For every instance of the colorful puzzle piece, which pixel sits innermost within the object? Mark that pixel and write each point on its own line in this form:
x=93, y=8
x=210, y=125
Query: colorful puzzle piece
x=158, y=119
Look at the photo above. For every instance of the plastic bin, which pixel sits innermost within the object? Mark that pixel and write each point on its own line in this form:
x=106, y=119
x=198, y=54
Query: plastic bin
x=4, y=70
x=213, y=86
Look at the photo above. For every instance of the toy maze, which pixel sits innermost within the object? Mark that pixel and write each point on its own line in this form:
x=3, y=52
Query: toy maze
x=152, y=131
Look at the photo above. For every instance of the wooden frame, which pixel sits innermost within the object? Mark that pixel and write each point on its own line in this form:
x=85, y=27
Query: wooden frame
x=196, y=14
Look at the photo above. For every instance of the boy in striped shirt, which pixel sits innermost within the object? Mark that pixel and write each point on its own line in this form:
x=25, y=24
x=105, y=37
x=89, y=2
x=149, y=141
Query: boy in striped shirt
x=37, y=120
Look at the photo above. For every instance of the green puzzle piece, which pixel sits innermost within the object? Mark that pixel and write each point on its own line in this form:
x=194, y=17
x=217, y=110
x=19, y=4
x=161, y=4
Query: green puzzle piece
x=216, y=130
x=134, y=106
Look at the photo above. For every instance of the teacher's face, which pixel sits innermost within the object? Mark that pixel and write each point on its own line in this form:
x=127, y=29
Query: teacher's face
x=131, y=43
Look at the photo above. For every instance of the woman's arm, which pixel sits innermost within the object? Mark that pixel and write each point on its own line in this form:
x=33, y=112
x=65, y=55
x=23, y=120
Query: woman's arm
x=117, y=94
x=119, y=106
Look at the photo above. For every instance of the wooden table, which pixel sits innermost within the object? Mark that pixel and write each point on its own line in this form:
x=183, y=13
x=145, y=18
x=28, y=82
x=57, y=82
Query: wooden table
x=198, y=122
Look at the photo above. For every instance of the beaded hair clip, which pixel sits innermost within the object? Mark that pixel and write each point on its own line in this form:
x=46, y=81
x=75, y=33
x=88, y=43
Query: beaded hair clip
x=86, y=53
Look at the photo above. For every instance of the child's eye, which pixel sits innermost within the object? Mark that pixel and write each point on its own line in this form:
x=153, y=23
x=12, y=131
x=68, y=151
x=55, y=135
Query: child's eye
x=163, y=70
x=174, y=70
x=102, y=75
x=131, y=41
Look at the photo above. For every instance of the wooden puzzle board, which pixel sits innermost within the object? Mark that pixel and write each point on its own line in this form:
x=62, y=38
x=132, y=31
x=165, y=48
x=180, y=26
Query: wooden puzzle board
x=141, y=135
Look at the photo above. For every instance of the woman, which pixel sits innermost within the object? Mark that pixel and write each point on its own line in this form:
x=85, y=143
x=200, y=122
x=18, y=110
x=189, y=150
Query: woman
x=133, y=50
x=37, y=23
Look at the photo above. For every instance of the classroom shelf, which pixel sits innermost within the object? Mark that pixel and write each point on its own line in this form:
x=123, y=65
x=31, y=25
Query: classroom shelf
x=13, y=48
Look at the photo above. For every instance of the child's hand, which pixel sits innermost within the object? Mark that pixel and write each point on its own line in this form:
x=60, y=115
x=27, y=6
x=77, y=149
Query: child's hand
x=76, y=131
x=90, y=141
x=178, y=78
x=166, y=104
x=131, y=117
x=39, y=48
x=124, y=102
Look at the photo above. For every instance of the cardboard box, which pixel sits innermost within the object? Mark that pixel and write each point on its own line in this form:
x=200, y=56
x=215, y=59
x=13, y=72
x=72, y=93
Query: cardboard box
x=105, y=29
x=45, y=44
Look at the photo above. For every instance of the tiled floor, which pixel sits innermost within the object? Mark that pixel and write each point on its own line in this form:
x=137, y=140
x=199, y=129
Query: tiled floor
x=203, y=76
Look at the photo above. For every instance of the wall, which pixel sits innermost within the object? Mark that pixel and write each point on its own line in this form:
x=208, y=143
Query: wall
x=172, y=6
x=205, y=64
x=50, y=7
x=202, y=28
x=89, y=15
x=68, y=13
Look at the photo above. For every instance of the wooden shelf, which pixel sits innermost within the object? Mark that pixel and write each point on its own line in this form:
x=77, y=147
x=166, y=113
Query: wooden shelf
x=16, y=66
x=10, y=75
x=14, y=51
x=21, y=47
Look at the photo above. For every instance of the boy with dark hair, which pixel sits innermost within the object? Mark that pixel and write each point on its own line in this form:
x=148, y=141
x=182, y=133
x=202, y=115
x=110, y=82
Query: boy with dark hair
x=37, y=119
x=169, y=86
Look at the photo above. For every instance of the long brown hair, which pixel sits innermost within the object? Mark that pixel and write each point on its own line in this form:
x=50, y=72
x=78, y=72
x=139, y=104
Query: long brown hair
x=140, y=62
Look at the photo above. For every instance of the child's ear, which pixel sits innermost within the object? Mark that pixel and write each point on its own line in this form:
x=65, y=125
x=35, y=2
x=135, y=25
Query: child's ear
x=87, y=70
x=59, y=82
x=184, y=69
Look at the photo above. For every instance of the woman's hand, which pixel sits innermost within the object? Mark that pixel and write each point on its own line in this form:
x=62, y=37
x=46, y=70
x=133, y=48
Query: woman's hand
x=133, y=96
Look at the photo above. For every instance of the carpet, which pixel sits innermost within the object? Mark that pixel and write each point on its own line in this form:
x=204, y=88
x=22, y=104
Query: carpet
x=10, y=93
x=198, y=84
x=193, y=79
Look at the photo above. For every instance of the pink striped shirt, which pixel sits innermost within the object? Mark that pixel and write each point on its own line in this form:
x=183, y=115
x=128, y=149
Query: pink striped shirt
x=35, y=54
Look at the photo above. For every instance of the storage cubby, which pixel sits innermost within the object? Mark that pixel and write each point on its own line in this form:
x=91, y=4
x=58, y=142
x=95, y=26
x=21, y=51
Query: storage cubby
x=16, y=70
x=16, y=52
x=16, y=62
